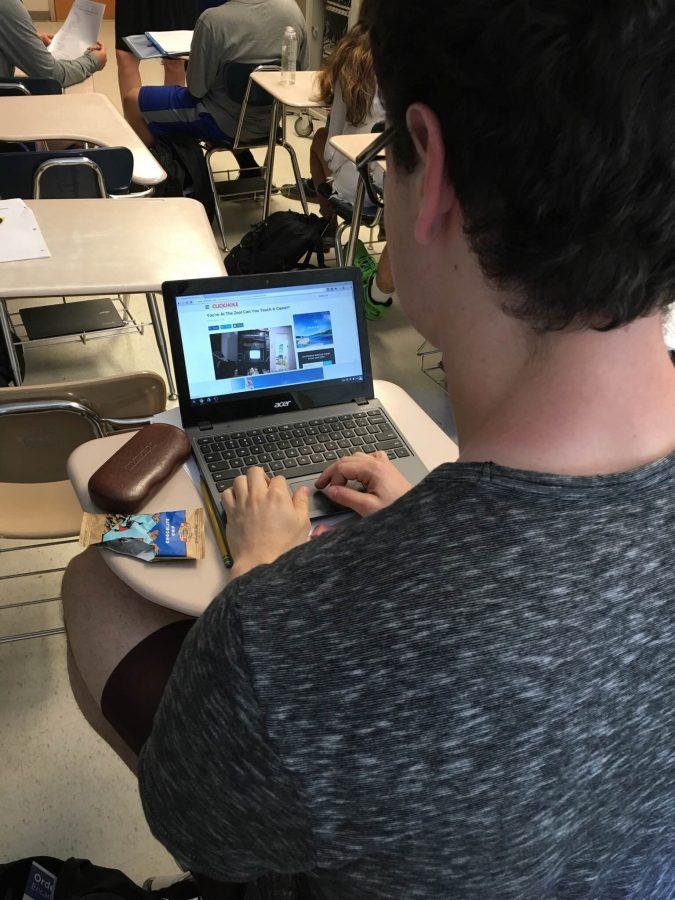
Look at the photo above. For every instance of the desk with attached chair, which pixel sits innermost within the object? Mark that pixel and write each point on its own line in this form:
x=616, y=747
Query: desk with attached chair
x=155, y=240
x=352, y=146
x=189, y=587
x=40, y=425
x=88, y=117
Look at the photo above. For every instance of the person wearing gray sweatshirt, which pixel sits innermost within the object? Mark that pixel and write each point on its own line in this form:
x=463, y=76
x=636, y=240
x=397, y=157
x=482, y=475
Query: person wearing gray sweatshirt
x=242, y=31
x=21, y=47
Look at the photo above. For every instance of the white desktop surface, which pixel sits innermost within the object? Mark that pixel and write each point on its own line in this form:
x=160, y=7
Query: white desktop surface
x=353, y=145
x=301, y=95
x=78, y=117
x=118, y=246
x=189, y=587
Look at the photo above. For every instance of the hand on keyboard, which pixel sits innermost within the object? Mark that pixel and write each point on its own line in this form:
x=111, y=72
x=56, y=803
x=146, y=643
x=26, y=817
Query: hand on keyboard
x=382, y=481
x=263, y=519
x=300, y=449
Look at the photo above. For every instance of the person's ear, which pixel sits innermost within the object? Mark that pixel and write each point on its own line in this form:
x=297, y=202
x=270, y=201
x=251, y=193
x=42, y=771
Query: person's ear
x=435, y=194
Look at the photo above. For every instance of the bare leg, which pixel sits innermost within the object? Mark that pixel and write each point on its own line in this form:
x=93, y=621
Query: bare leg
x=105, y=620
x=174, y=72
x=384, y=278
x=92, y=713
x=319, y=168
x=128, y=72
x=317, y=163
x=133, y=115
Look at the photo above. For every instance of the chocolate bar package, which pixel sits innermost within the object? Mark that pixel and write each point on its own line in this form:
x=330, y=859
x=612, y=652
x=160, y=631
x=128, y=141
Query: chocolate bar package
x=151, y=537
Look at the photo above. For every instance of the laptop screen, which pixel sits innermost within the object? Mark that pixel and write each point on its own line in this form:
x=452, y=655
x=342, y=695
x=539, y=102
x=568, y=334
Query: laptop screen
x=238, y=342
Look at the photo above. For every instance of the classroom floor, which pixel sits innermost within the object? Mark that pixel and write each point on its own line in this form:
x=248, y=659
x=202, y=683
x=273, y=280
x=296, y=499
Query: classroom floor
x=63, y=792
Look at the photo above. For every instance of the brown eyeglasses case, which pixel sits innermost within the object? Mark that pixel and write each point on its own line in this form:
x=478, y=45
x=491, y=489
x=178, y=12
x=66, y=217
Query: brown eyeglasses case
x=139, y=468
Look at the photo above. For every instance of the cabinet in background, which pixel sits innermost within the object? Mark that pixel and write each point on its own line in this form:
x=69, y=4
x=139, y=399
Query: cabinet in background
x=327, y=22
x=62, y=8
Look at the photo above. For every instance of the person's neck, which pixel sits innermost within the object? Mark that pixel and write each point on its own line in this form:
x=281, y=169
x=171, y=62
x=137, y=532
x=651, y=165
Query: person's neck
x=573, y=403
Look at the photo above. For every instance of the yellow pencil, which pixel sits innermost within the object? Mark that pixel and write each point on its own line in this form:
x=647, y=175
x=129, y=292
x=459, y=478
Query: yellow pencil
x=220, y=537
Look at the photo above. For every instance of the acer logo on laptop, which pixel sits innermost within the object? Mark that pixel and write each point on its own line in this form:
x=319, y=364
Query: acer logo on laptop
x=282, y=404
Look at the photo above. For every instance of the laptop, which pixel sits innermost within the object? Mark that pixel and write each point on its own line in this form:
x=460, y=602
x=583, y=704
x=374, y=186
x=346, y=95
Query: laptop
x=274, y=370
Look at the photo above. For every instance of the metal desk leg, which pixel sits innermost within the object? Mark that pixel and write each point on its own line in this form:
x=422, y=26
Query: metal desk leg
x=271, y=147
x=294, y=162
x=161, y=342
x=297, y=176
x=356, y=222
x=5, y=327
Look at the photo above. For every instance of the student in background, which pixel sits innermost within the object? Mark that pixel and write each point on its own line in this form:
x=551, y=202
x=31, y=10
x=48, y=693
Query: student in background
x=347, y=84
x=21, y=47
x=139, y=16
x=239, y=31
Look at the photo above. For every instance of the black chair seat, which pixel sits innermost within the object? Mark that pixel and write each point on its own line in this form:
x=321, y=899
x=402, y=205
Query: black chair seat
x=346, y=211
x=243, y=145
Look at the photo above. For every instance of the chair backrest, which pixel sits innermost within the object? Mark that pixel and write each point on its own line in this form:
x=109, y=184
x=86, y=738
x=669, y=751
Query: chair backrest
x=70, y=180
x=17, y=146
x=243, y=90
x=236, y=76
x=36, y=446
x=16, y=86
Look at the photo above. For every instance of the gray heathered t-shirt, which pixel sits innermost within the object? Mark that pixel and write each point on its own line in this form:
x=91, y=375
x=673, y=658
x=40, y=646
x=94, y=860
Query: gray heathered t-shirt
x=468, y=695
x=244, y=31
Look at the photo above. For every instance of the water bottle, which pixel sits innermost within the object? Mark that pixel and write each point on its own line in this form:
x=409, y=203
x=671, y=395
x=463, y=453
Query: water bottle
x=289, y=56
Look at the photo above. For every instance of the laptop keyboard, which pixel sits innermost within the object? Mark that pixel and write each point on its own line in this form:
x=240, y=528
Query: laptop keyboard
x=299, y=449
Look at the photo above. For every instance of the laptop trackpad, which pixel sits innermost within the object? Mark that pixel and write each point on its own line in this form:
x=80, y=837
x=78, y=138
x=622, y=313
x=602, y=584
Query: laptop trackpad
x=319, y=503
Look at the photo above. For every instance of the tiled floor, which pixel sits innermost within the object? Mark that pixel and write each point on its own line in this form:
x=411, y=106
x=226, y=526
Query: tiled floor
x=62, y=791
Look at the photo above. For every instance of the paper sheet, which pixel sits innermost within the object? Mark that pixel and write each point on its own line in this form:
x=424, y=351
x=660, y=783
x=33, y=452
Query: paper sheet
x=171, y=43
x=79, y=31
x=20, y=235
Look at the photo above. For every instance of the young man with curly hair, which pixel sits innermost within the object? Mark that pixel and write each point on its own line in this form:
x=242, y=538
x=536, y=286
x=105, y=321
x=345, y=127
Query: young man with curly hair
x=470, y=693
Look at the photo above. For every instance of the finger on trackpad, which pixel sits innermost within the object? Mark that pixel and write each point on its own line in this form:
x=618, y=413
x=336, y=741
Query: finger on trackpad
x=319, y=503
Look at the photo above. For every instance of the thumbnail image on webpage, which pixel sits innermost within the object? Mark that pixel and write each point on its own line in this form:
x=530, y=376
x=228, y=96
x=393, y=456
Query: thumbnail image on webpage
x=306, y=343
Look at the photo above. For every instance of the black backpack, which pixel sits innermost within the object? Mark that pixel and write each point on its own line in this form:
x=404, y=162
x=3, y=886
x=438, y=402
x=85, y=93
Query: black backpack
x=79, y=879
x=76, y=879
x=182, y=158
x=284, y=241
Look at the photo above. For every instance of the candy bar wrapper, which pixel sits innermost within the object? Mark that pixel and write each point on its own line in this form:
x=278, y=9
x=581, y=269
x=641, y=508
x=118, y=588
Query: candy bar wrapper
x=148, y=536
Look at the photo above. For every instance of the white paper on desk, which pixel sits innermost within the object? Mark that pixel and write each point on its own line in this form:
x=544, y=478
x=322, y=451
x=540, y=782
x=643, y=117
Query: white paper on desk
x=20, y=235
x=80, y=30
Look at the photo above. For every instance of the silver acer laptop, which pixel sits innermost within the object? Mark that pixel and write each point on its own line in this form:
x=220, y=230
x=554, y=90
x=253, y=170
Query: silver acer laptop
x=274, y=370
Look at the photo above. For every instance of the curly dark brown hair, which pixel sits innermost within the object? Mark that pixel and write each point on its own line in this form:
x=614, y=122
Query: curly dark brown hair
x=559, y=125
